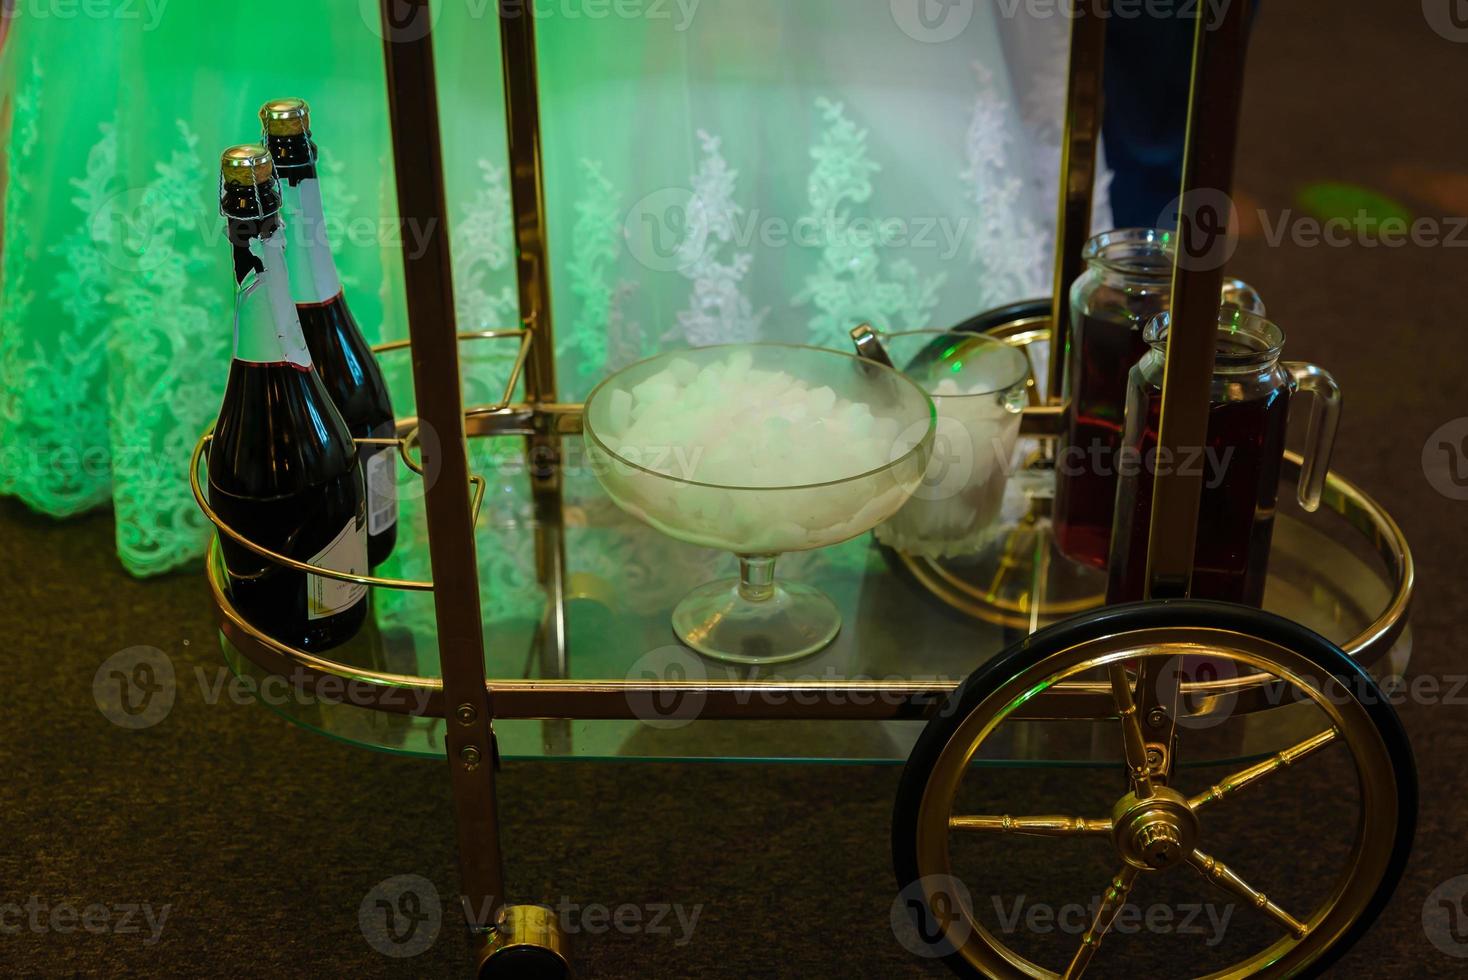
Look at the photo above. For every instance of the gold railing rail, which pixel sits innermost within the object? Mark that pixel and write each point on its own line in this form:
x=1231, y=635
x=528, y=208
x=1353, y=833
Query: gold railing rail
x=404, y=444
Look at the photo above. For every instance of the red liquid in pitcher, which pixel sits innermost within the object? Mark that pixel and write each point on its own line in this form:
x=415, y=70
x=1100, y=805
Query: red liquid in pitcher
x=1236, y=511
x=1086, y=473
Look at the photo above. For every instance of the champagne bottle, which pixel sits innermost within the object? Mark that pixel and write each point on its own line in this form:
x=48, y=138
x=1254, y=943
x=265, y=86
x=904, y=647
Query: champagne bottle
x=342, y=357
x=283, y=468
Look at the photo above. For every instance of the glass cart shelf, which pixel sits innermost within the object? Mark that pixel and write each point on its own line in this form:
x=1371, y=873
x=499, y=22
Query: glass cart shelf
x=622, y=579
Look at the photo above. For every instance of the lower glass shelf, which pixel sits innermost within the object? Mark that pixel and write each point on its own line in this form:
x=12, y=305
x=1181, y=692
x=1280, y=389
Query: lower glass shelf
x=622, y=580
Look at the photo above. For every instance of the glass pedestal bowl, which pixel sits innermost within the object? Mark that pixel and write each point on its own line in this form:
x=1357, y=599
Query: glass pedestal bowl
x=758, y=449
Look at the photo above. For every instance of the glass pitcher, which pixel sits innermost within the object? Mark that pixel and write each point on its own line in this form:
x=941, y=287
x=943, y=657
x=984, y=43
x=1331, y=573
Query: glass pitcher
x=1128, y=280
x=1240, y=465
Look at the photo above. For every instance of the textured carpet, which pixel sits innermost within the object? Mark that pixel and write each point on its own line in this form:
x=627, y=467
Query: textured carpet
x=261, y=840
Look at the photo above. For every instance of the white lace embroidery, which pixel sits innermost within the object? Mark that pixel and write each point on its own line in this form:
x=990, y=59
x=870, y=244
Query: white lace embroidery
x=166, y=359
x=625, y=341
x=848, y=287
x=1011, y=248
x=481, y=244
x=52, y=407
x=718, y=311
x=595, y=247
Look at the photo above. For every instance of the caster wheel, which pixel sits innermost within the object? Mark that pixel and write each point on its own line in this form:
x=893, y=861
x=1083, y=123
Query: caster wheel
x=1145, y=655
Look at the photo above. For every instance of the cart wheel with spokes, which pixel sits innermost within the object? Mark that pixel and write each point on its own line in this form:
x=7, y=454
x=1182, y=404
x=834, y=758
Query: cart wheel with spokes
x=1154, y=828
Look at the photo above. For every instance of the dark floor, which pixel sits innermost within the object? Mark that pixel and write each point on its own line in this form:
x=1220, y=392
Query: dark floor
x=261, y=841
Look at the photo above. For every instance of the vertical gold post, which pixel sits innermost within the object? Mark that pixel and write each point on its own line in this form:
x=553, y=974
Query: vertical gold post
x=1208, y=163
x=1078, y=153
x=527, y=194
x=428, y=284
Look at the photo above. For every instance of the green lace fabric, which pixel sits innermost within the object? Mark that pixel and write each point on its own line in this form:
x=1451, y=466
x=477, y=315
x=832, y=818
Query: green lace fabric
x=715, y=171
x=115, y=295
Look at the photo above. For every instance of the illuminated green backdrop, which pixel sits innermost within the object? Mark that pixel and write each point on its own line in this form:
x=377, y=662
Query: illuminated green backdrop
x=723, y=170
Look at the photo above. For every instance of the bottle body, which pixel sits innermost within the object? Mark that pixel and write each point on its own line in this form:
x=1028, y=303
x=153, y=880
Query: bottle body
x=340, y=353
x=342, y=357
x=283, y=469
x=301, y=496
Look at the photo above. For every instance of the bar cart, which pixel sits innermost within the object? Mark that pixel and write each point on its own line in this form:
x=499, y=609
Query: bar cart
x=588, y=669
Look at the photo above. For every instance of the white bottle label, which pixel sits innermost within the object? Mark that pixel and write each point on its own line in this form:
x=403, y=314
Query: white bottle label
x=382, y=491
x=347, y=552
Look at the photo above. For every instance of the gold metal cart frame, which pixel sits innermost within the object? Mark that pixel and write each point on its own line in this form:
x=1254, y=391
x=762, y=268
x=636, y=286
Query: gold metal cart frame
x=470, y=702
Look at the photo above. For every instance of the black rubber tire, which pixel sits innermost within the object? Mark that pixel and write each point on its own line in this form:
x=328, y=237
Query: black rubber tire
x=991, y=319
x=1027, y=653
x=994, y=319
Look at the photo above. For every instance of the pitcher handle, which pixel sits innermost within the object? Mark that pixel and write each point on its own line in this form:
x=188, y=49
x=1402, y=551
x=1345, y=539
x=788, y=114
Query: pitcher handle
x=1325, y=419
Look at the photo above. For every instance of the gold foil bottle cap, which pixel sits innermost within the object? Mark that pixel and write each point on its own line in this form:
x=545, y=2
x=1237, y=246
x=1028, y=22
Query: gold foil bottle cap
x=247, y=164
x=285, y=117
x=247, y=185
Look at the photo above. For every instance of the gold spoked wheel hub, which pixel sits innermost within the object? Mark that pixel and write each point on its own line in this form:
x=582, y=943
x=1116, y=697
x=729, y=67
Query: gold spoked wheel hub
x=1154, y=833
x=1154, y=827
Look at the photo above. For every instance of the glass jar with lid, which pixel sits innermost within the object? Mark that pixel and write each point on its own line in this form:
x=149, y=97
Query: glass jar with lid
x=1128, y=281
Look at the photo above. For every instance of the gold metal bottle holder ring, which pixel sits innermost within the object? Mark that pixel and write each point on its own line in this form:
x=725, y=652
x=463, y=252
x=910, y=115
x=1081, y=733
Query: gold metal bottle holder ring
x=409, y=434
x=409, y=585
x=527, y=337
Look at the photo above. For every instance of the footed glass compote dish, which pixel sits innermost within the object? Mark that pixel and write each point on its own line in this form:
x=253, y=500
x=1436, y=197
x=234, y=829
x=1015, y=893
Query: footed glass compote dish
x=758, y=449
